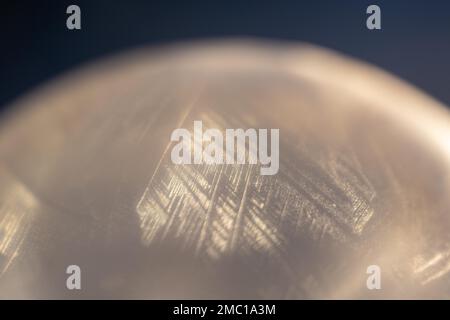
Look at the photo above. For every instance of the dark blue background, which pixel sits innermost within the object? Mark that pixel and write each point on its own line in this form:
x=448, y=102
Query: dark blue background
x=36, y=45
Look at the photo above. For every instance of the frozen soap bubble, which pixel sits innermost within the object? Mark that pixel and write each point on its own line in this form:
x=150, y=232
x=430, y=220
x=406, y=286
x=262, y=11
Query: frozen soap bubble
x=86, y=179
